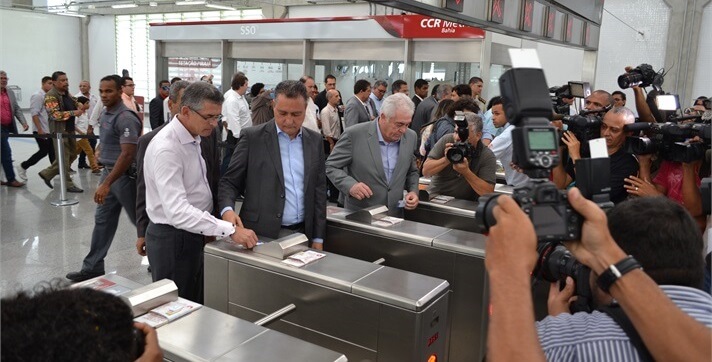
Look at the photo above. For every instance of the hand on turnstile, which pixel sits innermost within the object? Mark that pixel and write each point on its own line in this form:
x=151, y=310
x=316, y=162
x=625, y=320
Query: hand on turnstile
x=243, y=236
x=411, y=200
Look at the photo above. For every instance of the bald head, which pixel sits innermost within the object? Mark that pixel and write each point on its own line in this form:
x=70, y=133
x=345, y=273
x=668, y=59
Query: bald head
x=332, y=96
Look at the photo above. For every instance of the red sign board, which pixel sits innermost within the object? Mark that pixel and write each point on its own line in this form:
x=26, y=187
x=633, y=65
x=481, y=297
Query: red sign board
x=419, y=26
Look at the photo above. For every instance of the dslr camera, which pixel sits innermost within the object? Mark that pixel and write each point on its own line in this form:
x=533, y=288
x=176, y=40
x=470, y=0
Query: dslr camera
x=462, y=149
x=642, y=76
x=528, y=108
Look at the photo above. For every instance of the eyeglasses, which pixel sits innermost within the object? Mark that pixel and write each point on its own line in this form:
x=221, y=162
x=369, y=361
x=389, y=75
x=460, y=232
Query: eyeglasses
x=216, y=118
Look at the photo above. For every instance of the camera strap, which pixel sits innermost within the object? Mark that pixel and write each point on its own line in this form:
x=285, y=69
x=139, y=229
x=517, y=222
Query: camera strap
x=616, y=312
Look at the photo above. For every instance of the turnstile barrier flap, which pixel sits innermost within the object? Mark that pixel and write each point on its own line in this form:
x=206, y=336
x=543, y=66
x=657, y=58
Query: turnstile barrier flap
x=284, y=247
x=366, y=215
x=143, y=299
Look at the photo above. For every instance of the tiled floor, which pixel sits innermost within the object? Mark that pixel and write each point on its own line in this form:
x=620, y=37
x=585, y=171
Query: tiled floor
x=40, y=241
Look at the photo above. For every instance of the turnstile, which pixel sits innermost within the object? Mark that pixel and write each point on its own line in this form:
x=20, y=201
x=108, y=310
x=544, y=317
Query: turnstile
x=368, y=311
x=210, y=335
x=449, y=212
x=454, y=255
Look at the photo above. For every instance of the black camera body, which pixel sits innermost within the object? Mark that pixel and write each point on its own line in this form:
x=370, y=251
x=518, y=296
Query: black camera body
x=584, y=127
x=462, y=149
x=459, y=151
x=642, y=76
x=669, y=140
x=548, y=208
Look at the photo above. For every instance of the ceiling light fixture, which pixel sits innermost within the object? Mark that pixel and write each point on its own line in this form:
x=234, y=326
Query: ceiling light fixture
x=190, y=2
x=124, y=6
x=153, y=4
x=221, y=7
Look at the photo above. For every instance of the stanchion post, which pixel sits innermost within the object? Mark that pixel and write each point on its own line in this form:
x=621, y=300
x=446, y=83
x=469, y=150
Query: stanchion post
x=62, y=182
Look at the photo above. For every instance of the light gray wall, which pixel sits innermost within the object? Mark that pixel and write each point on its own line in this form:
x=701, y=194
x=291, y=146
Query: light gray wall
x=703, y=78
x=102, y=49
x=621, y=46
x=35, y=45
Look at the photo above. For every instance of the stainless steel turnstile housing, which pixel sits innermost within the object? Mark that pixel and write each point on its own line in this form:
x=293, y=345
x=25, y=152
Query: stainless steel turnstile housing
x=367, y=311
x=210, y=335
x=454, y=255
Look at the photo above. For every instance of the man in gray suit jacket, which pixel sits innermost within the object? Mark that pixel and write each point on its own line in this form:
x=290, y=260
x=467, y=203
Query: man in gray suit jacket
x=373, y=163
x=278, y=167
x=9, y=126
x=359, y=108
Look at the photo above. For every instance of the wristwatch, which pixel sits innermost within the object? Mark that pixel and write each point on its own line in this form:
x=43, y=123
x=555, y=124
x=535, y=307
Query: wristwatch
x=616, y=271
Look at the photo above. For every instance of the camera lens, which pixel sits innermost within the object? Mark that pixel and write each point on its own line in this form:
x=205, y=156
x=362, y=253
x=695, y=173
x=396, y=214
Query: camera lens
x=629, y=79
x=455, y=154
x=484, y=217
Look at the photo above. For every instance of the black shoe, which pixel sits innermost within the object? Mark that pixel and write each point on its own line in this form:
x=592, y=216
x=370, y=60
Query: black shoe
x=74, y=189
x=81, y=276
x=149, y=268
x=84, y=167
x=46, y=181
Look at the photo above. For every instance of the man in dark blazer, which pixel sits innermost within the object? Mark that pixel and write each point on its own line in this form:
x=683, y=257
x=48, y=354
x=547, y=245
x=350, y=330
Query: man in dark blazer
x=421, y=91
x=157, y=115
x=359, y=108
x=10, y=111
x=278, y=169
x=373, y=163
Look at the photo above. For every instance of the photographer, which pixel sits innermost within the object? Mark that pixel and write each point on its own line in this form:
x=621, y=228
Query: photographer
x=679, y=181
x=622, y=164
x=79, y=324
x=470, y=178
x=657, y=231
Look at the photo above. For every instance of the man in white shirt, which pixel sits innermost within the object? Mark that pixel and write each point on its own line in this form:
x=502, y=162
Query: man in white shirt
x=502, y=144
x=331, y=129
x=179, y=200
x=236, y=115
x=311, y=119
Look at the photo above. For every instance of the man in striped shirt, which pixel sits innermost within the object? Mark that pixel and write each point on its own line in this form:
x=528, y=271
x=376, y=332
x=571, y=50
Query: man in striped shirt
x=661, y=299
x=663, y=238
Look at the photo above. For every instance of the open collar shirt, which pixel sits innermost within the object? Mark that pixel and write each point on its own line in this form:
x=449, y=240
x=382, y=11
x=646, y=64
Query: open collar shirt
x=177, y=188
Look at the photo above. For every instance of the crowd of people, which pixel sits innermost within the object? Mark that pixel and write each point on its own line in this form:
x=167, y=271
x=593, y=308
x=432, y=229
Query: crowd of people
x=285, y=152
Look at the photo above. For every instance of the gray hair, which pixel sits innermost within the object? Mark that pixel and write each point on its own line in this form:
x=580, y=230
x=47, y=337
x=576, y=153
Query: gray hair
x=2, y=72
x=379, y=83
x=627, y=114
x=176, y=87
x=291, y=89
x=197, y=93
x=443, y=90
x=473, y=119
x=397, y=101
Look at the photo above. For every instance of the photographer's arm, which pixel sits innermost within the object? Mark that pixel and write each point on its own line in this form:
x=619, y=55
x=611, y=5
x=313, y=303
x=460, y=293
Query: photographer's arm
x=691, y=195
x=436, y=160
x=644, y=113
x=510, y=257
x=559, y=175
x=480, y=186
x=645, y=304
x=433, y=166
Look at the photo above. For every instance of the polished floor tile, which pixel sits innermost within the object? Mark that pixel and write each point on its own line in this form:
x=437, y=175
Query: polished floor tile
x=39, y=241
